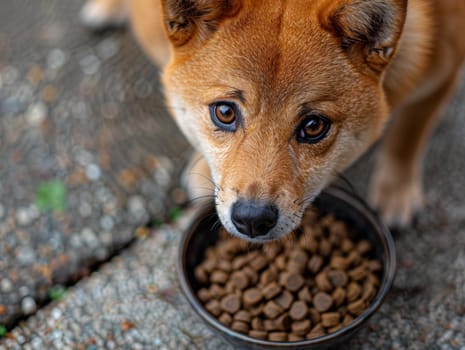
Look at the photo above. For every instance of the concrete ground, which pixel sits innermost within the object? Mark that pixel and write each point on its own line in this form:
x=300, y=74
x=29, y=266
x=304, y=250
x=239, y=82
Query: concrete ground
x=83, y=131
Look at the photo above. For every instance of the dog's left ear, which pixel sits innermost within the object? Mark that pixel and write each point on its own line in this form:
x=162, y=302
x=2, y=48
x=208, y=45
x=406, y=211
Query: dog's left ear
x=186, y=20
x=368, y=30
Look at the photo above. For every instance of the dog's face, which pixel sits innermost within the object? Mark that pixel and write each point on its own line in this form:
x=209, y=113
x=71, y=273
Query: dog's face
x=278, y=96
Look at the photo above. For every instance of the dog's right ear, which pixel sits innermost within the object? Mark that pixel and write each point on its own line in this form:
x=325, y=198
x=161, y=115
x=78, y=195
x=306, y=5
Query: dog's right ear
x=188, y=19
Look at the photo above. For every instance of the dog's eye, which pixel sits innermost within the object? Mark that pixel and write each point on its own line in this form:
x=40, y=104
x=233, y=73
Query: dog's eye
x=313, y=129
x=224, y=115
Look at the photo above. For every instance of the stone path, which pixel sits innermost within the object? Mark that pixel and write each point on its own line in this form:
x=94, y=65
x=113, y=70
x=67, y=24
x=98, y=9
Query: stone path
x=83, y=132
x=87, y=151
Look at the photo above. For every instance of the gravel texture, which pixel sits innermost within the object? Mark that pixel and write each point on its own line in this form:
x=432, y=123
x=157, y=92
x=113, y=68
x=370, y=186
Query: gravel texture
x=87, y=151
x=65, y=102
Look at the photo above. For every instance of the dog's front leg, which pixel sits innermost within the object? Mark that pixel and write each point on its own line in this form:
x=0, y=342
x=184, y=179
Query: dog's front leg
x=396, y=187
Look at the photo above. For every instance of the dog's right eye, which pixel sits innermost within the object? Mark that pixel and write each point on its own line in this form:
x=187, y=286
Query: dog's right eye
x=225, y=115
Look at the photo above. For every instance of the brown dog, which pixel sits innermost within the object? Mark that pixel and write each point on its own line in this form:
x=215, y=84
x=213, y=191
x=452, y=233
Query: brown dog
x=280, y=96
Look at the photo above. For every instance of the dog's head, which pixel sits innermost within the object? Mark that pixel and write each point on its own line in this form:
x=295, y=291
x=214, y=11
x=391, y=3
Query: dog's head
x=278, y=96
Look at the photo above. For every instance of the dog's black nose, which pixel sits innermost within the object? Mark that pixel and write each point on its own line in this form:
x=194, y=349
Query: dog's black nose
x=254, y=218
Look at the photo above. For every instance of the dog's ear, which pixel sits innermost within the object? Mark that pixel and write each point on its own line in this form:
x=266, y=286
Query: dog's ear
x=367, y=29
x=186, y=19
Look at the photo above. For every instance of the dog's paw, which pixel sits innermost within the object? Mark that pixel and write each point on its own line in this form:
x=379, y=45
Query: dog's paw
x=396, y=196
x=98, y=15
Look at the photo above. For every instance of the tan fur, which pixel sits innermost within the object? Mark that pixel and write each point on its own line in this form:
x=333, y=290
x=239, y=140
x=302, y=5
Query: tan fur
x=273, y=57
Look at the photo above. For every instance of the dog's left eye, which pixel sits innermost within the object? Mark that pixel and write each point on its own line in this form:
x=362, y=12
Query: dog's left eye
x=313, y=129
x=225, y=115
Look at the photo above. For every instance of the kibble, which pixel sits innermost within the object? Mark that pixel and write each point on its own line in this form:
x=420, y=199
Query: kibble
x=252, y=296
x=288, y=291
x=284, y=299
x=299, y=310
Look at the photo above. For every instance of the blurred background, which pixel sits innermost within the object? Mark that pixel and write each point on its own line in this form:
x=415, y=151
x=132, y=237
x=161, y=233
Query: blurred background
x=90, y=162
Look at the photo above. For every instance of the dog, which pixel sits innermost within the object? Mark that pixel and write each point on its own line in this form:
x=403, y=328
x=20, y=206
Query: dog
x=278, y=97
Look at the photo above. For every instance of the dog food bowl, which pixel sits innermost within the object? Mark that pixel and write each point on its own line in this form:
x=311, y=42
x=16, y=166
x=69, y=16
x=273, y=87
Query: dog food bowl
x=204, y=232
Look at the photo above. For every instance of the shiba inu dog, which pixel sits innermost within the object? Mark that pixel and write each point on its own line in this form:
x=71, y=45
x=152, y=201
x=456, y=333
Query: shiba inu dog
x=279, y=96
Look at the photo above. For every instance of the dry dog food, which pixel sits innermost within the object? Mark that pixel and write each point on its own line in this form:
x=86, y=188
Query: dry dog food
x=304, y=287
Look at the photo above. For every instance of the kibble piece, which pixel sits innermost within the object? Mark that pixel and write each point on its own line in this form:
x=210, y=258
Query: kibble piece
x=347, y=245
x=305, y=295
x=271, y=251
x=339, y=263
x=298, y=256
x=299, y=310
x=216, y=291
x=242, y=316
x=239, y=262
x=322, y=282
x=271, y=290
x=209, y=264
x=294, y=282
x=224, y=265
x=230, y=287
x=330, y=319
x=281, y=262
x=295, y=268
x=342, y=310
x=204, y=295
x=240, y=279
x=201, y=275
x=240, y=327
x=283, y=322
x=317, y=331
x=258, y=334
x=354, y=257
x=357, y=307
x=374, y=265
x=322, y=301
x=258, y=324
x=251, y=297
x=282, y=278
x=347, y=319
x=315, y=263
x=219, y=276
x=268, y=276
x=277, y=336
x=270, y=325
x=314, y=315
x=309, y=243
x=258, y=263
x=252, y=274
x=284, y=300
x=339, y=296
x=301, y=327
x=338, y=229
x=369, y=292
x=225, y=319
x=214, y=307
x=272, y=310
x=325, y=247
x=257, y=310
x=358, y=273
x=294, y=337
x=364, y=246
x=251, y=255
x=335, y=328
x=338, y=278
x=231, y=303
x=353, y=291
x=373, y=279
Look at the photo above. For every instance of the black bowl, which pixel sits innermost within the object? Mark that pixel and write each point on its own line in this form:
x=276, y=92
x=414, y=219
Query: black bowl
x=344, y=206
